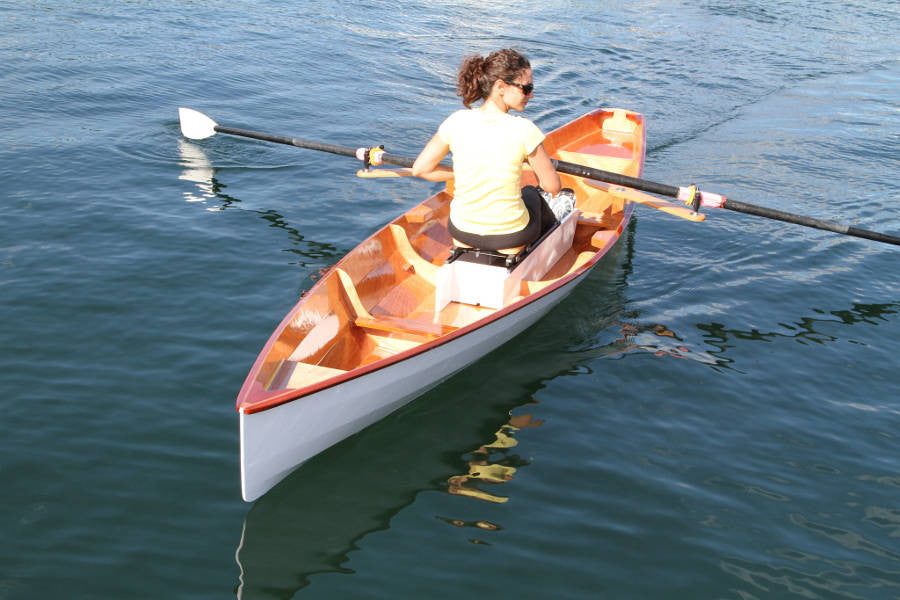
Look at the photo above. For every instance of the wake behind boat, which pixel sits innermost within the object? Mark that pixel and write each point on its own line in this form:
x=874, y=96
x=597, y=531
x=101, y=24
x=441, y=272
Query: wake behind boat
x=395, y=316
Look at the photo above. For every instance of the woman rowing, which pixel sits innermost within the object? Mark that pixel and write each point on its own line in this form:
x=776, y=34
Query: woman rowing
x=490, y=146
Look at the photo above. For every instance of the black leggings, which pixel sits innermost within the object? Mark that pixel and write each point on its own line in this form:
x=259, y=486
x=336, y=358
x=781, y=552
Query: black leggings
x=540, y=220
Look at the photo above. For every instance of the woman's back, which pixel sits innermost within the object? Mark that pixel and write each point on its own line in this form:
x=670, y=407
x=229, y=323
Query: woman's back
x=489, y=150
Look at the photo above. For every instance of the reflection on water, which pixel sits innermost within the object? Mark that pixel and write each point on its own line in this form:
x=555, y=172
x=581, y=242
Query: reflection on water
x=492, y=462
x=199, y=170
x=660, y=340
x=804, y=331
x=653, y=338
x=482, y=525
x=311, y=522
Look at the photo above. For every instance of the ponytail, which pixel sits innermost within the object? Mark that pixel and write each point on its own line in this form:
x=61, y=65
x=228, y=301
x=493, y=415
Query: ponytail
x=471, y=73
x=477, y=74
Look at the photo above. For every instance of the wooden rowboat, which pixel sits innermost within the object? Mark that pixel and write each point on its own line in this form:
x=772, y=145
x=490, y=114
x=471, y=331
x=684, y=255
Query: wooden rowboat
x=395, y=317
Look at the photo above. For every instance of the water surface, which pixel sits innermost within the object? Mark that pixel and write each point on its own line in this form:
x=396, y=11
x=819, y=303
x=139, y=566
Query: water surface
x=712, y=414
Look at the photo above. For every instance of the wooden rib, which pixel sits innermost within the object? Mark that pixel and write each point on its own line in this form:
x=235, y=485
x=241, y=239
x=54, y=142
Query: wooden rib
x=458, y=314
x=347, y=293
x=595, y=219
x=596, y=161
x=528, y=287
x=601, y=239
x=421, y=266
x=419, y=214
x=385, y=346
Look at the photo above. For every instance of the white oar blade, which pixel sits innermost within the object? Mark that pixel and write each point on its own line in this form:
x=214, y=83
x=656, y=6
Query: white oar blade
x=195, y=124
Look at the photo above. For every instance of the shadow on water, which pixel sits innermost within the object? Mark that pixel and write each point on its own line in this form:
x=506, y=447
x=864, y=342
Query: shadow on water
x=199, y=170
x=806, y=330
x=455, y=439
x=660, y=340
x=718, y=340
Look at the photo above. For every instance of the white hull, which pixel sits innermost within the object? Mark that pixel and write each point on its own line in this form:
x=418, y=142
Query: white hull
x=276, y=441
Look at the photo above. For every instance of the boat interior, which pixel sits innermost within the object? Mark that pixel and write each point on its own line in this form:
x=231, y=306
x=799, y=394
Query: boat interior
x=380, y=299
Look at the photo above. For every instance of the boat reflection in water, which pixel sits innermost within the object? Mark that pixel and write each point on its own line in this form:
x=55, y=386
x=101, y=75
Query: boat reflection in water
x=492, y=462
x=311, y=522
x=457, y=438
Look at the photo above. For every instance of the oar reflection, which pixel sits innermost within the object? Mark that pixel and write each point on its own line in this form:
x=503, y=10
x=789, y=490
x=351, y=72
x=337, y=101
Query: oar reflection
x=210, y=191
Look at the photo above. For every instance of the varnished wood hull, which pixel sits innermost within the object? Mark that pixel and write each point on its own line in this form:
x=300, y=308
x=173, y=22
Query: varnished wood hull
x=368, y=338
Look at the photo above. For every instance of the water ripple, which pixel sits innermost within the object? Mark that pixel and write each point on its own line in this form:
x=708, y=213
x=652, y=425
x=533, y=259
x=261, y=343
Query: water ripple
x=716, y=405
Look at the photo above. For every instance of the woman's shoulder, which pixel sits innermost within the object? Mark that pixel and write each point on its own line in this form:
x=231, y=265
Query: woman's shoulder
x=521, y=123
x=467, y=118
x=462, y=115
x=465, y=114
x=460, y=123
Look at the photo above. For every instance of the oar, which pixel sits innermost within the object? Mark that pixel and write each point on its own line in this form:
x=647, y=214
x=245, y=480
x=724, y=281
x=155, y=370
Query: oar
x=696, y=198
x=196, y=125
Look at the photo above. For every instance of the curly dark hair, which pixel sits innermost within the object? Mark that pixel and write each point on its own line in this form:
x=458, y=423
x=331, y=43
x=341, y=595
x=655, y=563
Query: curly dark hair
x=477, y=74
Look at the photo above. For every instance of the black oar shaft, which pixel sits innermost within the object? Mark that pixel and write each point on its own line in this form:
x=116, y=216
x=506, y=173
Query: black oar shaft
x=616, y=178
x=742, y=207
x=780, y=215
x=400, y=161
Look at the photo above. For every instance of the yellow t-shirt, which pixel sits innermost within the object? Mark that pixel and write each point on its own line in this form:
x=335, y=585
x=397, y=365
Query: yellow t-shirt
x=488, y=154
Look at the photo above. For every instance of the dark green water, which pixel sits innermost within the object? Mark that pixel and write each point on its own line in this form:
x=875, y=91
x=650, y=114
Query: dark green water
x=713, y=414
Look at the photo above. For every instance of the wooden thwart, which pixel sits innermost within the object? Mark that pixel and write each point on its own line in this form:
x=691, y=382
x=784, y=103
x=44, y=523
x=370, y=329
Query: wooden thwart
x=400, y=325
x=361, y=317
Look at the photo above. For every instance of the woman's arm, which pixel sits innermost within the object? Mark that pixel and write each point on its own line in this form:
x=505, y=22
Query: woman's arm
x=547, y=176
x=427, y=165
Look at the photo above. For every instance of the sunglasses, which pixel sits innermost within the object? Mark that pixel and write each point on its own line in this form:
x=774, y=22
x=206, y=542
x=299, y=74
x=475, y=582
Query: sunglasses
x=526, y=88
